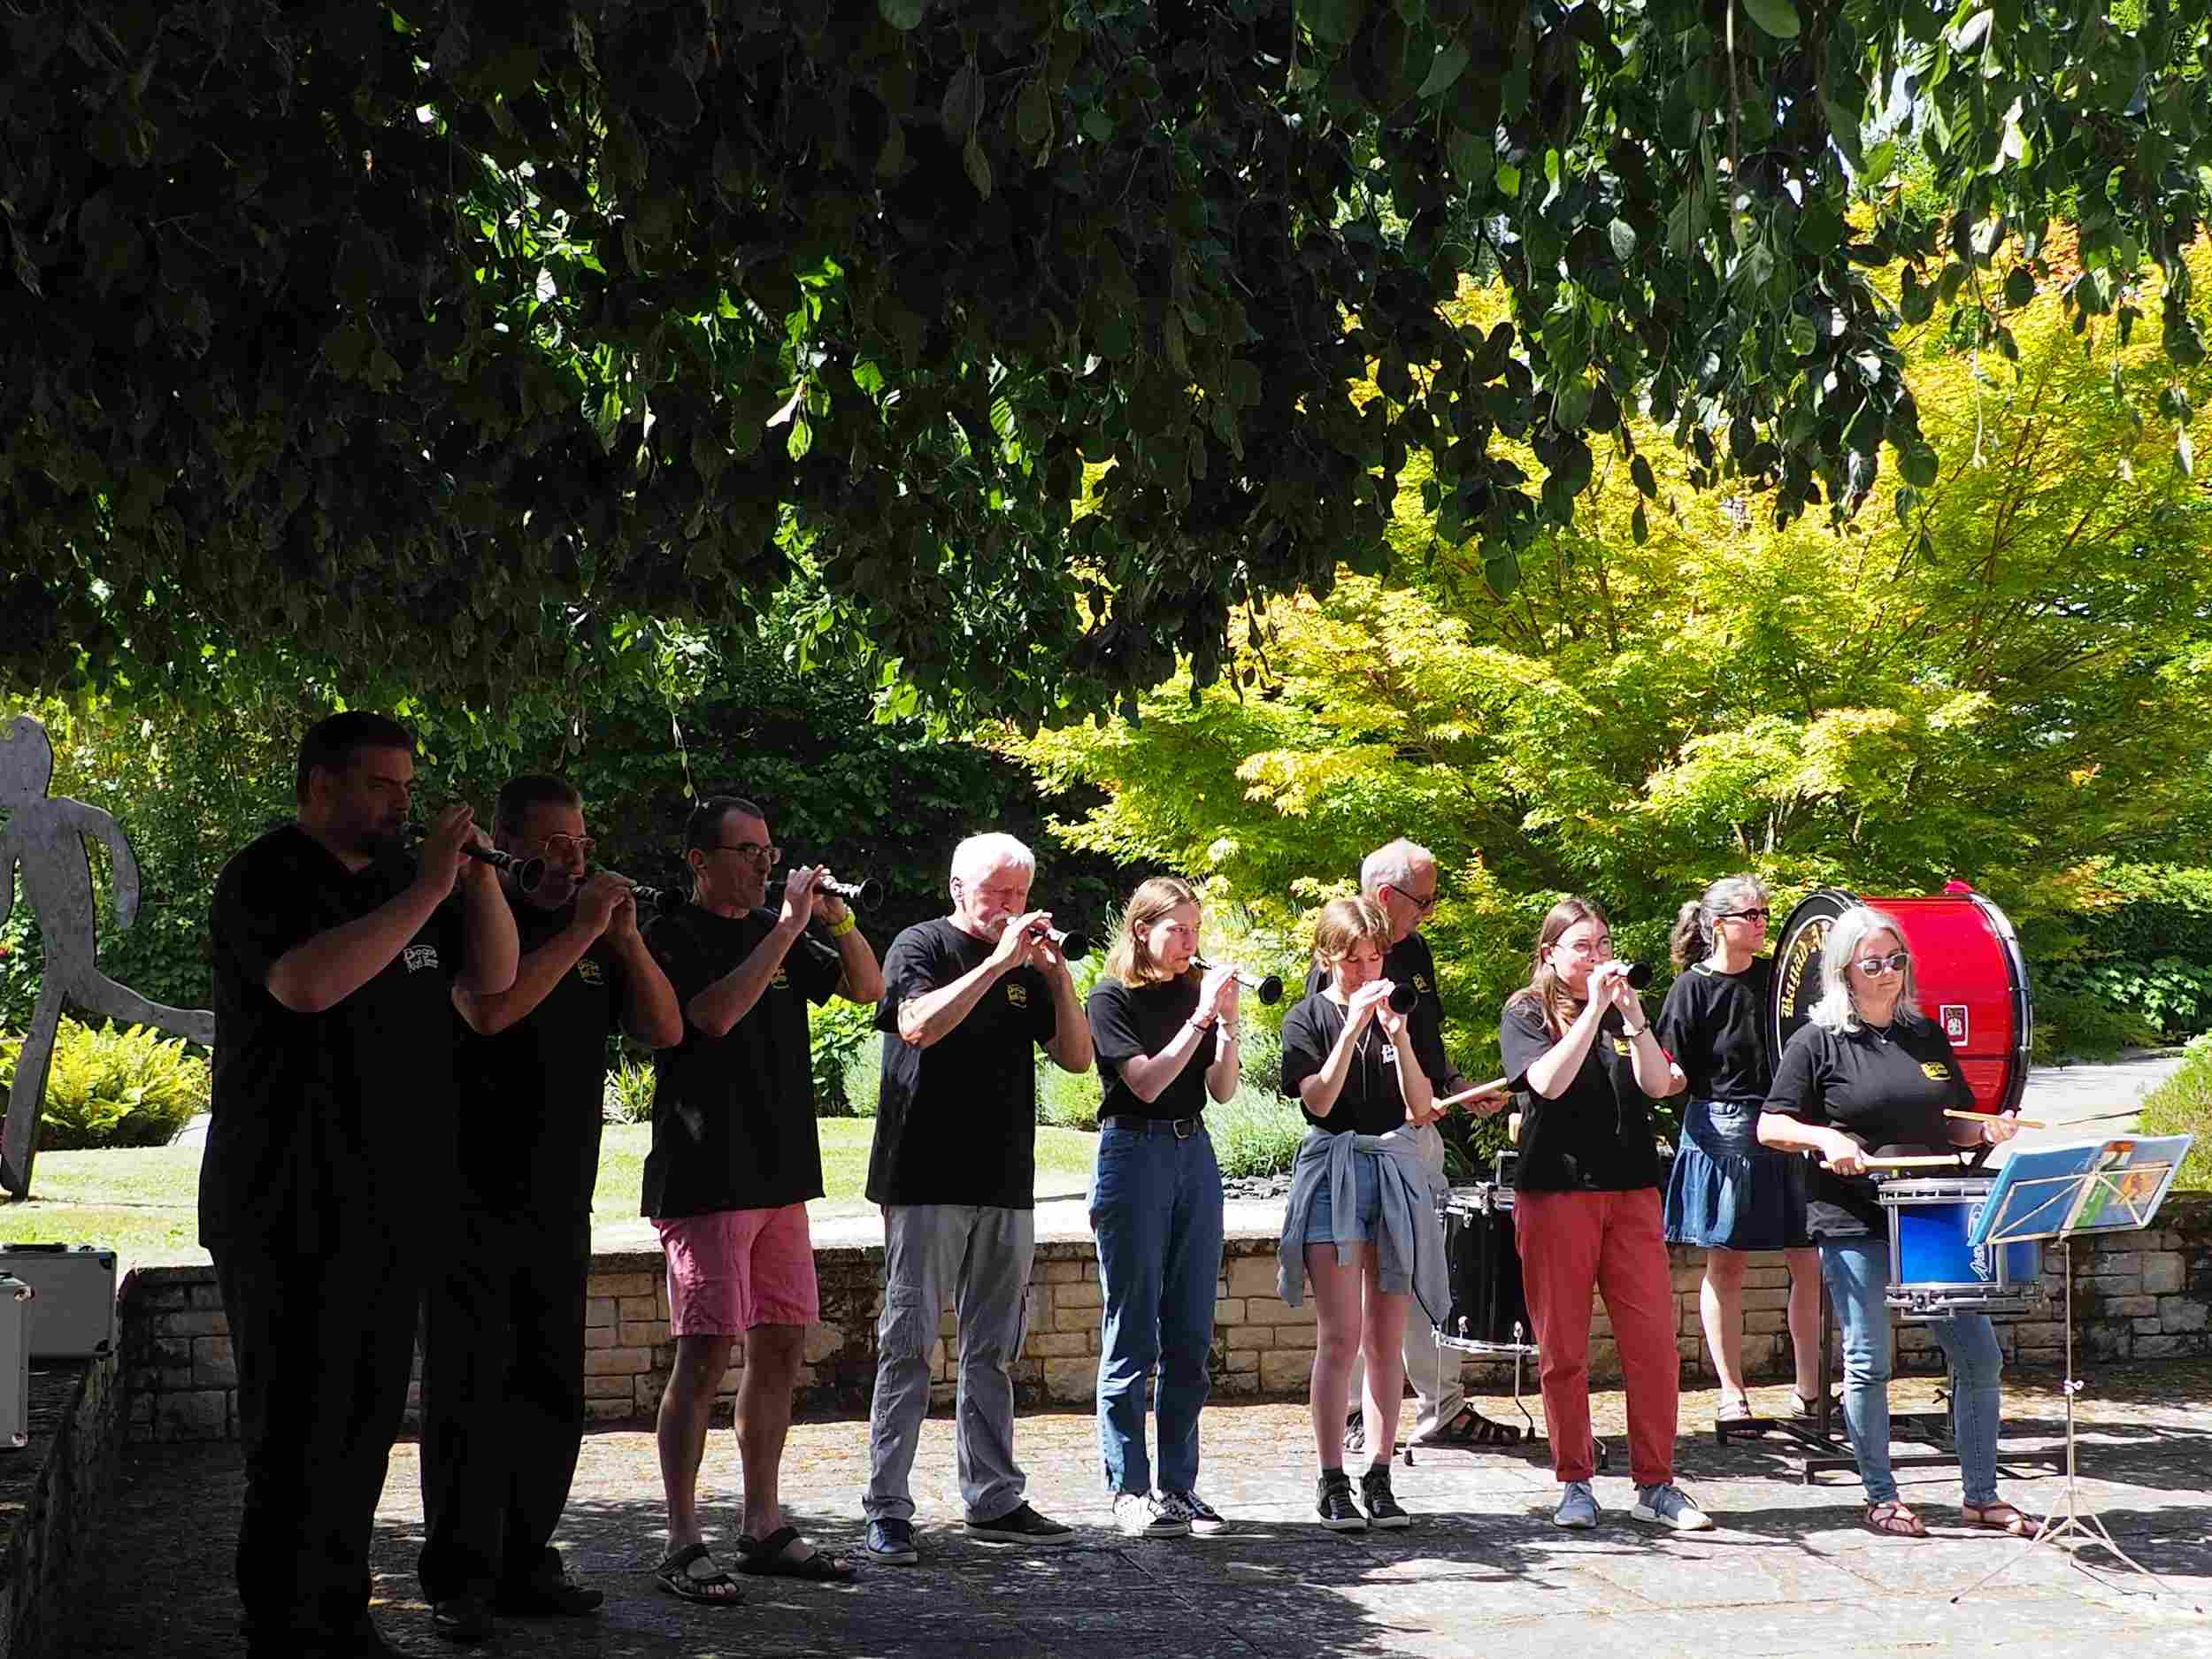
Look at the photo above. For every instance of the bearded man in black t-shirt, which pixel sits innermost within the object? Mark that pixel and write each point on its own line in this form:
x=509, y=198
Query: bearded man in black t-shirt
x=330, y=1155
x=735, y=1158
x=968, y=998
x=504, y=1336
x=1401, y=878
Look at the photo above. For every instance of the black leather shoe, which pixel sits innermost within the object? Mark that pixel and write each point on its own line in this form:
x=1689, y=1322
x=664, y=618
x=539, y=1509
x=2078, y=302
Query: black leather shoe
x=463, y=1618
x=551, y=1598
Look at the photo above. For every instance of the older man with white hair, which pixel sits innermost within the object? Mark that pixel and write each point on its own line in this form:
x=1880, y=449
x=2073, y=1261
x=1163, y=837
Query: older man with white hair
x=1401, y=879
x=955, y=1167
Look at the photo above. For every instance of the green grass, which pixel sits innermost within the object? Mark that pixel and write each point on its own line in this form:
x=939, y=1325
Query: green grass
x=2183, y=1105
x=144, y=1203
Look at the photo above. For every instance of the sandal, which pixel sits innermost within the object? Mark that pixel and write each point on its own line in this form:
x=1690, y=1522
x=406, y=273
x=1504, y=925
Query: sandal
x=712, y=1589
x=1894, y=1519
x=1469, y=1427
x=770, y=1557
x=1801, y=1407
x=1733, y=1408
x=2000, y=1517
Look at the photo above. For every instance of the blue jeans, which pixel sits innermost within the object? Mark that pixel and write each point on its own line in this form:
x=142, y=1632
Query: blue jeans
x=1857, y=1271
x=1156, y=1207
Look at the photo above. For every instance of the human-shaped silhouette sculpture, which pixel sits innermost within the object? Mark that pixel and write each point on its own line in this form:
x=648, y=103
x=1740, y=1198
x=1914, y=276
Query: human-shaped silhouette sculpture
x=45, y=836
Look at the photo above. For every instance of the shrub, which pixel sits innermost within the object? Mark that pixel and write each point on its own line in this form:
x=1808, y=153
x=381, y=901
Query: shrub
x=628, y=1097
x=2183, y=1105
x=132, y=1087
x=838, y=1033
x=1256, y=1130
x=2082, y=1024
x=1068, y=1100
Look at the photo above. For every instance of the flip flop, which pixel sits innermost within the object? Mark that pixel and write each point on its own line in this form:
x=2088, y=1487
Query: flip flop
x=770, y=1557
x=675, y=1576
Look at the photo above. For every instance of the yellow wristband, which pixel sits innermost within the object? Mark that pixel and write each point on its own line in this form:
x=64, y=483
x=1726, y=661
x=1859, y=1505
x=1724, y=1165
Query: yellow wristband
x=843, y=925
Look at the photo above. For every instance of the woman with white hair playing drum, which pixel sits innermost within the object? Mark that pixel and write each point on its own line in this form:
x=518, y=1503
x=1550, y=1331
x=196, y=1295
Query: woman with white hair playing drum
x=1868, y=1070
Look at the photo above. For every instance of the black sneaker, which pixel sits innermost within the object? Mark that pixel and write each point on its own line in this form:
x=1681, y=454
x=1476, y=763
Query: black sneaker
x=1021, y=1525
x=892, y=1543
x=463, y=1618
x=551, y=1595
x=1333, y=1500
x=1383, y=1509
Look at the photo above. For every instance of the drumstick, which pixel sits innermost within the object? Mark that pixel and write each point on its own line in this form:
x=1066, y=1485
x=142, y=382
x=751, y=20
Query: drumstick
x=1497, y=1087
x=1912, y=1161
x=1979, y=1117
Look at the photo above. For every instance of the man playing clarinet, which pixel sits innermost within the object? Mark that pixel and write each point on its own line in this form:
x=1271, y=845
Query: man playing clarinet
x=735, y=1158
x=1401, y=879
x=503, y=1330
x=955, y=1167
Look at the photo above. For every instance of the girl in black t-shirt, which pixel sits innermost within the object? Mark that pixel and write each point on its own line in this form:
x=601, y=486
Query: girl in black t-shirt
x=1167, y=1039
x=1348, y=1061
x=1727, y=1193
x=1586, y=1207
x=1867, y=1070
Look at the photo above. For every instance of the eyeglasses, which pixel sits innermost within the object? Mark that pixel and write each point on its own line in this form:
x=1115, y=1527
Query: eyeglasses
x=1746, y=915
x=1873, y=967
x=561, y=846
x=770, y=857
x=1422, y=906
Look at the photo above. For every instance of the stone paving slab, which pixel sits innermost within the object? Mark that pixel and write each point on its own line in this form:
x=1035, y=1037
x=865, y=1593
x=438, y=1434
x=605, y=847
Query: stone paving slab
x=1481, y=1572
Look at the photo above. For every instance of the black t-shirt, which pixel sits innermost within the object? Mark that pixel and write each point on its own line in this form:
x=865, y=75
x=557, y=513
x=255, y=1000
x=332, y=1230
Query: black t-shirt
x=957, y=1122
x=1597, y=1136
x=330, y=1130
x=1128, y=1022
x=1714, y=1026
x=734, y=1115
x=1887, y=1088
x=1409, y=962
x=532, y=1094
x=1372, y=1101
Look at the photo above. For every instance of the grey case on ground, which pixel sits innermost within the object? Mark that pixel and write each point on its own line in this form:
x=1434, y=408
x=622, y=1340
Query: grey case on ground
x=73, y=1317
x=16, y=1302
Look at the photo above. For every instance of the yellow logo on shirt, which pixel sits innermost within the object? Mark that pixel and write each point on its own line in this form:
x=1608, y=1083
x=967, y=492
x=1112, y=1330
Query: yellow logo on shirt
x=1018, y=994
x=589, y=971
x=781, y=982
x=1421, y=983
x=1623, y=1048
x=1935, y=1068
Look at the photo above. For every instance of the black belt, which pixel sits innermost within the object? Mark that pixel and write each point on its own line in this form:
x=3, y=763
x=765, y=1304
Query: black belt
x=1184, y=1127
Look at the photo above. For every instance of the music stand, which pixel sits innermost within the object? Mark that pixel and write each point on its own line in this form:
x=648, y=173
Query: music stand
x=2062, y=1193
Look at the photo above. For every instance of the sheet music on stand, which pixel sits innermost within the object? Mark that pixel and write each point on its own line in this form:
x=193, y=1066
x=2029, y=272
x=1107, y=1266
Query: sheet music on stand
x=2114, y=1184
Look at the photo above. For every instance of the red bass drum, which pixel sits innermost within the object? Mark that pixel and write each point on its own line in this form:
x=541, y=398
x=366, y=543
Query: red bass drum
x=1973, y=981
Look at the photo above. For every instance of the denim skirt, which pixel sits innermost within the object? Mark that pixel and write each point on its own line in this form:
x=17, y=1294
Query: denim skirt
x=1727, y=1191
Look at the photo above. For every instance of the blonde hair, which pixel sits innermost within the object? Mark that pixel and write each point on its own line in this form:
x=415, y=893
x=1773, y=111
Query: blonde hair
x=1543, y=990
x=1131, y=960
x=1846, y=936
x=1344, y=923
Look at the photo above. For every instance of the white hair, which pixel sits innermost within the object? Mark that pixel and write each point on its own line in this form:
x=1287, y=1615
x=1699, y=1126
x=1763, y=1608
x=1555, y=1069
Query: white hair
x=1846, y=936
x=988, y=851
x=1392, y=866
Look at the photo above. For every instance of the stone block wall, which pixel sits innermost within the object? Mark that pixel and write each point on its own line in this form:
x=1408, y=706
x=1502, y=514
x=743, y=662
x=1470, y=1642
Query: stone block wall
x=52, y=1496
x=2137, y=1296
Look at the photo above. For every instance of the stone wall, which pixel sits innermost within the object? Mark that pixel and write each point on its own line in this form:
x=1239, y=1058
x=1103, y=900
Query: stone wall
x=2138, y=1295
x=52, y=1494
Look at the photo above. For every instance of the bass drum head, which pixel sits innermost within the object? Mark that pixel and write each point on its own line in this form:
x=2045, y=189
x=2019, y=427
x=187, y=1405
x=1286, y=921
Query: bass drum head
x=1971, y=975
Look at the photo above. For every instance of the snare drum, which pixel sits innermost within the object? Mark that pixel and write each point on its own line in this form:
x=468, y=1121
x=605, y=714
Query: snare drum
x=1934, y=1272
x=1489, y=1314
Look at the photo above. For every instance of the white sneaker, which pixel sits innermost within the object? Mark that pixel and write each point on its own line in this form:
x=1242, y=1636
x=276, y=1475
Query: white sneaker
x=1141, y=1515
x=1577, y=1508
x=1668, y=1505
x=1201, y=1517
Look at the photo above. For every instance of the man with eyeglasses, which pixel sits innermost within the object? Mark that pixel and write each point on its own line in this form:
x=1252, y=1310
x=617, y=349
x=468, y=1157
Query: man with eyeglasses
x=735, y=1158
x=504, y=1334
x=969, y=997
x=1401, y=879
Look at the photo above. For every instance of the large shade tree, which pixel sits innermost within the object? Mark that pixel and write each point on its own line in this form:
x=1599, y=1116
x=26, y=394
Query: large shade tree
x=437, y=338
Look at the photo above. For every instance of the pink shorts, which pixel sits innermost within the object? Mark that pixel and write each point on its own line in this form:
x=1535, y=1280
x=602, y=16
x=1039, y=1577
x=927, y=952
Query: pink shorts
x=730, y=1270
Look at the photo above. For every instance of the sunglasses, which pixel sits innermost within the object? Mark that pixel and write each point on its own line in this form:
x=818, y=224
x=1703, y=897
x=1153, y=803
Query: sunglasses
x=1874, y=966
x=1746, y=915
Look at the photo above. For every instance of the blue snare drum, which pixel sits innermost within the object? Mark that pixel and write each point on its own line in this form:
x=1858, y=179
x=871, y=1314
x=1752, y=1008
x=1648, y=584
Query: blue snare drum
x=1934, y=1272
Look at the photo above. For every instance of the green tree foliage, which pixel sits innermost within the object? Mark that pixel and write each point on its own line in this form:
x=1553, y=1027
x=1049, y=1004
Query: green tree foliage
x=437, y=338
x=2002, y=678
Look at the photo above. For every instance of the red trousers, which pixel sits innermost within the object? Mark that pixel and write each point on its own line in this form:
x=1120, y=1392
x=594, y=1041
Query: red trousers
x=1572, y=1244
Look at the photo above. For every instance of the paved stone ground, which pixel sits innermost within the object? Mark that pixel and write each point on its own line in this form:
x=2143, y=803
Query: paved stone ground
x=1481, y=1574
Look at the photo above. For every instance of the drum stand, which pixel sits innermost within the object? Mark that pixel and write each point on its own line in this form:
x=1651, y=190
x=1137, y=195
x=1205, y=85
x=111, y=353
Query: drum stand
x=1516, y=1351
x=2079, y=1522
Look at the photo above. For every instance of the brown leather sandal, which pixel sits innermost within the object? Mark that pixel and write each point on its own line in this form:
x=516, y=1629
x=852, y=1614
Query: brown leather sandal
x=2000, y=1517
x=1894, y=1520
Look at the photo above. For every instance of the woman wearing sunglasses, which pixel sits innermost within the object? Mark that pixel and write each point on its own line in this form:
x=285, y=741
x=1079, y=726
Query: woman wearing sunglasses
x=1868, y=1070
x=1728, y=1195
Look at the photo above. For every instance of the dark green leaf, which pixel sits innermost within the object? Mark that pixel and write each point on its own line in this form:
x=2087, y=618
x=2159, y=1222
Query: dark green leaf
x=1777, y=18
